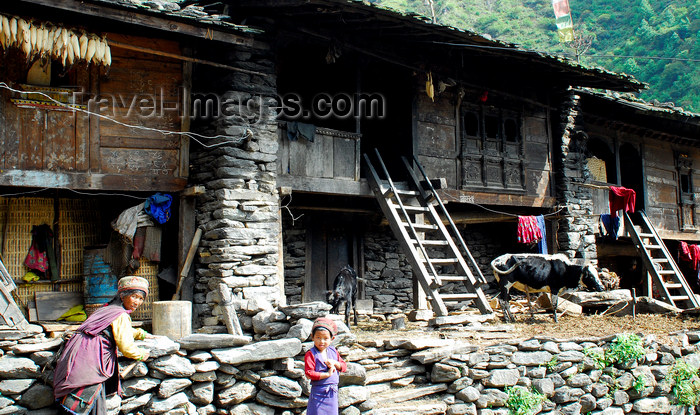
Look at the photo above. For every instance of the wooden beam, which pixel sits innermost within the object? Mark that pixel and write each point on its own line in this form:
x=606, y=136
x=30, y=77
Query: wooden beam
x=324, y=185
x=121, y=45
x=91, y=181
x=496, y=198
x=140, y=18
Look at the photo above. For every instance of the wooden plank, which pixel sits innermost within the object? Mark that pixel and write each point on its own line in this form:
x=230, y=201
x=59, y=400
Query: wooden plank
x=138, y=161
x=51, y=305
x=298, y=157
x=31, y=139
x=60, y=141
x=145, y=183
x=345, y=162
x=12, y=134
x=184, y=169
x=322, y=185
x=94, y=146
x=157, y=143
x=141, y=19
x=319, y=157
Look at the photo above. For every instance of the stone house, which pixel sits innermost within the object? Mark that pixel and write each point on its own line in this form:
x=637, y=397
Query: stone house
x=283, y=99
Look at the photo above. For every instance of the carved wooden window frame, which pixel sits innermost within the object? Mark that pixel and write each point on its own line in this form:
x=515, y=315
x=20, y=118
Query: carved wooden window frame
x=493, y=155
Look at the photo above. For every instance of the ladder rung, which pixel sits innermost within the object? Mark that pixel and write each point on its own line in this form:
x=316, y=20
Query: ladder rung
x=413, y=208
x=407, y=192
x=453, y=278
x=679, y=297
x=646, y=235
x=443, y=260
x=659, y=260
x=457, y=297
x=422, y=226
x=672, y=286
x=652, y=246
x=666, y=272
x=430, y=242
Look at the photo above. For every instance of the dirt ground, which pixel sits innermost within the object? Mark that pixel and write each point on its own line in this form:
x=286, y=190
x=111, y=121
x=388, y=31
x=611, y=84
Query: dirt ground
x=569, y=327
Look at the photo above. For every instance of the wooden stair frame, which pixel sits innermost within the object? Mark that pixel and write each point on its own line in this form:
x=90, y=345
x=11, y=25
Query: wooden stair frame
x=653, y=251
x=398, y=206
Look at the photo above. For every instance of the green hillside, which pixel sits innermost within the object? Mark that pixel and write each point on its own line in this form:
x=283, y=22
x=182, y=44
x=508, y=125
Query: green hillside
x=639, y=32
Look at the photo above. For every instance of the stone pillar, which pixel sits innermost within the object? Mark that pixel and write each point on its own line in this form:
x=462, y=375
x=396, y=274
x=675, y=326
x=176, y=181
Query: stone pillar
x=239, y=213
x=576, y=229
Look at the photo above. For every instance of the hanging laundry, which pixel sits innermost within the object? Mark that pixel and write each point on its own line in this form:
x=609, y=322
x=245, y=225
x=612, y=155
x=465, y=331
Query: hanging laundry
x=542, y=244
x=37, y=258
x=130, y=219
x=139, y=241
x=158, y=207
x=609, y=226
x=299, y=129
x=621, y=198
x=528, y=231
x=684, y=252
x=694, y=255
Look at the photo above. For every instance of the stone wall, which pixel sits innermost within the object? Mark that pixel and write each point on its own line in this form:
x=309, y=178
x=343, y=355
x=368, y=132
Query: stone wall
x=239, y=213
x=388, y=274
x=220, y=373
x=576, y=234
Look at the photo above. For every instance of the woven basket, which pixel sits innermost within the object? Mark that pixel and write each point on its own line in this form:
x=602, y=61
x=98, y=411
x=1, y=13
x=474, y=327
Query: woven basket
x=597, y=168
x=149, y=271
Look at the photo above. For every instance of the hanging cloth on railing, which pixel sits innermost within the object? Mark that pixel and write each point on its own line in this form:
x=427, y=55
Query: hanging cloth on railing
x=528, y=231
x=621, y=198
x=542, y=244
x=609, y=226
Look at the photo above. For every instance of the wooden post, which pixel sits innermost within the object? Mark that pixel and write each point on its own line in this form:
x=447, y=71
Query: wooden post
x=230, y=317
x=188, y=263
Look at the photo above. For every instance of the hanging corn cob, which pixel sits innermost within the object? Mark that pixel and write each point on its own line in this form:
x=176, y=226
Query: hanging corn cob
x=44, y=40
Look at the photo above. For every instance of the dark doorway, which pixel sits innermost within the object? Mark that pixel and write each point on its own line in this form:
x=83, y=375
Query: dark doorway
x=632, y=173
x=332, y=242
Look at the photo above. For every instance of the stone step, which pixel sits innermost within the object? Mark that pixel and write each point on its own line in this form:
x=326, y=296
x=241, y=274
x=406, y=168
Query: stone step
x=381, y=375
x=394, y=396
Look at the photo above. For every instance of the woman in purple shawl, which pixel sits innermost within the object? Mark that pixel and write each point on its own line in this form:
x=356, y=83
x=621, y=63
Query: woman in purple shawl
x=87, y=370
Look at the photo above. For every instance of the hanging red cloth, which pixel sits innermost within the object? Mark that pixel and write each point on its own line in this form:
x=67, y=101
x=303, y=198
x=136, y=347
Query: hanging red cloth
x=528, y=230
x=695, y=255
x=621, y=198
x=684, y=252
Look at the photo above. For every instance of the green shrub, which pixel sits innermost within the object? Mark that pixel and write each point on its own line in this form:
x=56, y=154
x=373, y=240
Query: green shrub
x=626, y=348
x=523, y=402
x=598, y=357
x=639, y=384
x=686, y=383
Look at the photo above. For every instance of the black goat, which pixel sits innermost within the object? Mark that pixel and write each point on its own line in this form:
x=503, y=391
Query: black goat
x=344, y=291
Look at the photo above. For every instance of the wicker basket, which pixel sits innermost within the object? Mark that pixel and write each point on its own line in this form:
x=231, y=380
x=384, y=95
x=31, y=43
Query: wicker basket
x=597, y=168
x=149, y=271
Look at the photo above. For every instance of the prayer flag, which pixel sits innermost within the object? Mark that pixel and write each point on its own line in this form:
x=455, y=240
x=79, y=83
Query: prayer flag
x=565, y=25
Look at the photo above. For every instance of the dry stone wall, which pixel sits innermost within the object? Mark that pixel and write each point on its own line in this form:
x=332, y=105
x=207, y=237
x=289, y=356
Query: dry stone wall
x=388, y=274
x=226, y=374
x=239, y=213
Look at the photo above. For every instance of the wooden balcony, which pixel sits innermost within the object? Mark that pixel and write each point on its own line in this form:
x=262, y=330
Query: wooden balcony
x=330, y=164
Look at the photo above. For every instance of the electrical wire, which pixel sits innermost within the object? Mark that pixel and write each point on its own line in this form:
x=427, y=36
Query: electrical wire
x=71, y=190
x=515, y=215
x=194, y=136
x=515, y=49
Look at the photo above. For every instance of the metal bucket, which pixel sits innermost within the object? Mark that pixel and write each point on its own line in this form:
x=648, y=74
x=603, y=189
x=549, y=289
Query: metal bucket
x=100, y=284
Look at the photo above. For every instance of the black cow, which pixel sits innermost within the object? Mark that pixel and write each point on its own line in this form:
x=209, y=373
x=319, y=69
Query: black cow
x=344, y=291
x=537, y=273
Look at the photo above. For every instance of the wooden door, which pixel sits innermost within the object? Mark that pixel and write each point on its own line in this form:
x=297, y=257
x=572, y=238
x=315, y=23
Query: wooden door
x=329, y=248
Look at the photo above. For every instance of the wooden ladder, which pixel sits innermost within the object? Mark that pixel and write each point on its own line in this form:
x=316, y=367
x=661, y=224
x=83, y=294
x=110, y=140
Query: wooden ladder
x=659, y=263
x=10, y=313
x=429, y=245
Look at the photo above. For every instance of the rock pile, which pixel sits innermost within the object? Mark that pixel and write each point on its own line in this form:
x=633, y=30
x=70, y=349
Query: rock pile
x=227, y=374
